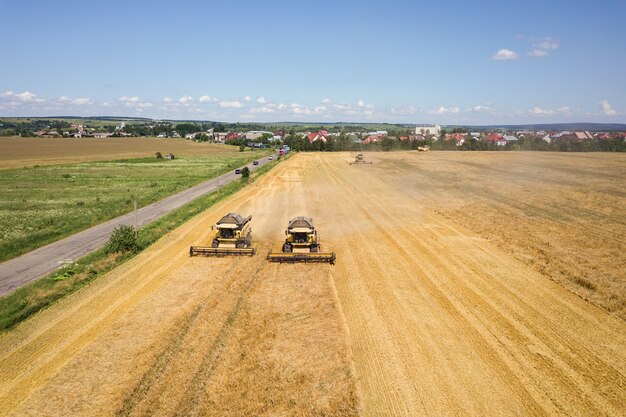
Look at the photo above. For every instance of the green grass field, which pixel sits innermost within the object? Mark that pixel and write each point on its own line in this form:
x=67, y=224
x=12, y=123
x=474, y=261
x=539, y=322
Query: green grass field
x=39, y=205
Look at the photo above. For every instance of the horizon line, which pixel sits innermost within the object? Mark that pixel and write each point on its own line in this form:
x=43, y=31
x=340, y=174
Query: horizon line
x=309, y=122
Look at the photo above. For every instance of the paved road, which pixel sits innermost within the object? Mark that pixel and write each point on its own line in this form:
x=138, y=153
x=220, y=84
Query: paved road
x=35, y=264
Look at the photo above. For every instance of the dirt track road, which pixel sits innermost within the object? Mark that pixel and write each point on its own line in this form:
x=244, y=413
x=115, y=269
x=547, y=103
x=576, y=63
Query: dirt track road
x=418, y=317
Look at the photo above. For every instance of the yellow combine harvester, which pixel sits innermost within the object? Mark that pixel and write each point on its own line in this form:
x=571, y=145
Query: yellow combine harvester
x=302, y=244
x=233, y=237
x=360, y=159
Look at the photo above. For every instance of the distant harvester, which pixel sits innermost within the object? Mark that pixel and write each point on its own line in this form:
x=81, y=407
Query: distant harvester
x=360, y=159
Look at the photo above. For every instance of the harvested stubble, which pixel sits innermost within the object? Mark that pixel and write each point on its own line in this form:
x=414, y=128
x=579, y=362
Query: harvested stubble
x=420, y=315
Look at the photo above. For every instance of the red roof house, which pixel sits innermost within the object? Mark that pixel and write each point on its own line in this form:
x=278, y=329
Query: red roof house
x=319, y=135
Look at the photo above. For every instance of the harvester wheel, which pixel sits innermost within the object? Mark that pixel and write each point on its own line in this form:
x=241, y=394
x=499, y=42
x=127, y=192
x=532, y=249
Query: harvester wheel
x=287, y=248
x=215, y=243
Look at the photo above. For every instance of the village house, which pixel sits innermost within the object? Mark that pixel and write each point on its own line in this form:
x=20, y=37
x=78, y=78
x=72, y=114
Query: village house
x=319, y=135
x=220, y=136
x=495, y=138
x=373, y=139
x=413, y=138
x=232, y=136
x=458, y=137
x=573, y=136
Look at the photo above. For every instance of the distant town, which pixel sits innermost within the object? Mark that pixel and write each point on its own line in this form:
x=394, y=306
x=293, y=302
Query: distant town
x=331, y=137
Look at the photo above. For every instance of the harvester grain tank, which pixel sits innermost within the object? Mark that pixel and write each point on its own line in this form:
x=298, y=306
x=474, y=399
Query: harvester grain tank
x=233, y=236
x=360, y=159
x=302, y=244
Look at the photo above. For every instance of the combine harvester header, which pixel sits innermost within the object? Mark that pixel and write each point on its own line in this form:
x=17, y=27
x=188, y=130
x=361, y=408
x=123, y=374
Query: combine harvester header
x=301, y=244
x=233, y=237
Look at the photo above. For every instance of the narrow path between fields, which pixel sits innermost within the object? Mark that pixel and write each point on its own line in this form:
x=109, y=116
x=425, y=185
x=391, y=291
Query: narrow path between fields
x=32, y=265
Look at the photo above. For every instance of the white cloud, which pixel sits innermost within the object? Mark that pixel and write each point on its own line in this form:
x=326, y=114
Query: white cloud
x=185, y=99
x=445, y=110
x=262, y=109
x=360, y=103
x=606, y=108
x=24, y=97
x=247, y=98
x=326, y=101
x=204, y=99
x=80, y=101
x=547, y=44
x=505, y=54
x=234, y=104
x=482, y=108
x=278, y=106
x=342, y=106
x=261, y=100
x=135, y=102
x=543, y=46
x=538, y=111
x=167, y=100
x=299, y=109
x=403, y=110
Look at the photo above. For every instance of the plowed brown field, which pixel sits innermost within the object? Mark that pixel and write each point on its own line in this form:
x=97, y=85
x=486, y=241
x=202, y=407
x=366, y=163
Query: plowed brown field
x=420, y=316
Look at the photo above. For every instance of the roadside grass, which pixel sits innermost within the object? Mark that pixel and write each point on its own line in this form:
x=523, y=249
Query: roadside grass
x=39, y=205
x=39, y=294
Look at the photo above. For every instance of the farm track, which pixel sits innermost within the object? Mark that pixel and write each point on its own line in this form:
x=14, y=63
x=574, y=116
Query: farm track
x=419, y=316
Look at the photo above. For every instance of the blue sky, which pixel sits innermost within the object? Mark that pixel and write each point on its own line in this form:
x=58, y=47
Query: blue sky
x=482, y=62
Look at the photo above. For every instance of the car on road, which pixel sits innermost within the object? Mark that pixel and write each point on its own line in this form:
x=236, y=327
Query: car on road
x=270, y=158
x=237, y=171
x=255, y=162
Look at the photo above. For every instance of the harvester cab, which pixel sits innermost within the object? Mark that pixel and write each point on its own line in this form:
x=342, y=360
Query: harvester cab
x=233, y=236
x=301, y=244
